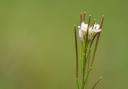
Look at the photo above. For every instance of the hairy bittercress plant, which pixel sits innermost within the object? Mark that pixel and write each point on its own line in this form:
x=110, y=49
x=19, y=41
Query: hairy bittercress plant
x=89, y=34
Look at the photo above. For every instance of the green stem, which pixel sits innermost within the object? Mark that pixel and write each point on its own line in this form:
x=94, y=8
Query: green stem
x=77, y=63
x=85, y=52
x=84, y=64
x=86, y=79
x=93, y=58
x=95, y=49
x=97, y=82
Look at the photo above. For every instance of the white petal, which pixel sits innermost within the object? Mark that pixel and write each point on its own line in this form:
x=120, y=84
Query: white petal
x=81, y=34
x=96, y=26
x=83, y=27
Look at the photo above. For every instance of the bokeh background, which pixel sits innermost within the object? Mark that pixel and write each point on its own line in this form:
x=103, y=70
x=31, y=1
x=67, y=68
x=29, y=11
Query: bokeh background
x=37, y=43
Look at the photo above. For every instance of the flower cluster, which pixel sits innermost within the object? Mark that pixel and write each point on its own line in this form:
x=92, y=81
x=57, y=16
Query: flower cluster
x=92, y=30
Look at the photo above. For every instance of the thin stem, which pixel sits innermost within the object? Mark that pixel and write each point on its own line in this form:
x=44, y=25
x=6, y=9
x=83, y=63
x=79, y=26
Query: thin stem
x=85, y=53
x=97, y=82
x=77, y=63
x=84, y=15
x=88, y=66
x=95, y=49
x=88, y=57
x=102, y=21
x=94, y=21
x=87, y=76
x=81, y=17
x=89, y=20
x=84, y=65
x=97, y=41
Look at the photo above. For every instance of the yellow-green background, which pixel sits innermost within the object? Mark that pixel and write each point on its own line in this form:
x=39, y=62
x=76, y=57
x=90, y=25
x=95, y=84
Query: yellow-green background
x=37, y=43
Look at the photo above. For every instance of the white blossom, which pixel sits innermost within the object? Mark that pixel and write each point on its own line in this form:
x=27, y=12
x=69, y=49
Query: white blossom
x=92, y=30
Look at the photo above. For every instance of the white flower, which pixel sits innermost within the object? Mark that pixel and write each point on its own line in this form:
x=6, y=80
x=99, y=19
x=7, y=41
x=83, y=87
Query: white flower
x=96, y=28
x=92, y=30
x=82, y=30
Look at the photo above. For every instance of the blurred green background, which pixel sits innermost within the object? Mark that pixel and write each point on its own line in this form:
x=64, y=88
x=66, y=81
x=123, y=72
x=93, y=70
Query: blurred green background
x=37, y=43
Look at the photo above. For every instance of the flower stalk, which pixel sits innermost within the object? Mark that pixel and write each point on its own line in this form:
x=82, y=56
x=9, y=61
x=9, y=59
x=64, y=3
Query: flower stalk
x=77, y=62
